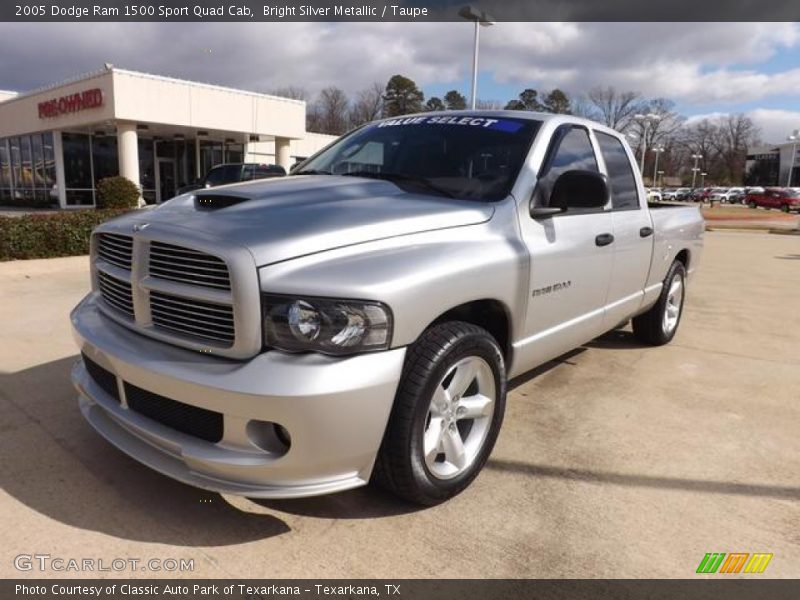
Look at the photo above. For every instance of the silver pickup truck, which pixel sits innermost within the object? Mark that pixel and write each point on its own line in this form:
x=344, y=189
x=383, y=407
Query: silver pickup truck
x=359, y=319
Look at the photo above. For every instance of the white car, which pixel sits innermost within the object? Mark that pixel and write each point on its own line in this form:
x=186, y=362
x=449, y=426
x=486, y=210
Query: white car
x=728, y=195
x=653, y=195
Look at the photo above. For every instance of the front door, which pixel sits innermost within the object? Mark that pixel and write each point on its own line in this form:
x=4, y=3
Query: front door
x=165, y=185
x=571, y=261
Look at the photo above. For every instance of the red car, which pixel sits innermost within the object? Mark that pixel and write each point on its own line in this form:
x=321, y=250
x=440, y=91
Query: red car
x=786, y=199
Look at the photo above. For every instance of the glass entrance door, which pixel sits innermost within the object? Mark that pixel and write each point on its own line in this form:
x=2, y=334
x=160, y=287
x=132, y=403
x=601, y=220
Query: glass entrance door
x=165, y=186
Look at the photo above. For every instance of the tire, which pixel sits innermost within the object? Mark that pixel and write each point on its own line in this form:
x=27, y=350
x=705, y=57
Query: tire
x=447, y=357
x=656, y=327
x=785, y=208
x=752, y=204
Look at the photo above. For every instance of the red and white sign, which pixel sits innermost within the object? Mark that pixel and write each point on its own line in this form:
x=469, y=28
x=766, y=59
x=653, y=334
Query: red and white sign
x=71, y=104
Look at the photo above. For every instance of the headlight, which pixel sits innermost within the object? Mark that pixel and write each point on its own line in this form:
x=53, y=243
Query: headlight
x=326, y=325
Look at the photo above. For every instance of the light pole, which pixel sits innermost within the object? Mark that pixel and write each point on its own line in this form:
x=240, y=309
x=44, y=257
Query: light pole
x=792, y=138
x=660, y=176
x=703, y=179
x=646, y=121
x=696, y=157
x=658, y=150
x=481, y=19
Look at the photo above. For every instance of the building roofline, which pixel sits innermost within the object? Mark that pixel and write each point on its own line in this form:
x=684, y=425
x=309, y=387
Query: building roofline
x=99, y=72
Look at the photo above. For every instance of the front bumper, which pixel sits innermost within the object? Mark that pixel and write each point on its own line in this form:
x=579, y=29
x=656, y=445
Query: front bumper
x=335, y=410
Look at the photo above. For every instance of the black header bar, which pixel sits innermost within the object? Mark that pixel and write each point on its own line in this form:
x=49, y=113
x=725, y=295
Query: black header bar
x=398, y=10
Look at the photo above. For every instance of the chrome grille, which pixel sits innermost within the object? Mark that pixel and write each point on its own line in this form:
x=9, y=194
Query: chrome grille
x=188, y=266
x=116, y=293
x=191, y=317
x=116, y=249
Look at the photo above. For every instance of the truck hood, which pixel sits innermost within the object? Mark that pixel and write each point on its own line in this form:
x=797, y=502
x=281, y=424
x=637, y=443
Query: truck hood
x=280, y=219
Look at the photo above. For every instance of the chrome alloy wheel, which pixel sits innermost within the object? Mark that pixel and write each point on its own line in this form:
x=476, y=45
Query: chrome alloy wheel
x=672, y=310
x=459, y=417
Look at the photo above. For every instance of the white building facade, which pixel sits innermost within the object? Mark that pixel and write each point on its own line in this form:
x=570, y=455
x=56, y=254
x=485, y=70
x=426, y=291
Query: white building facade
x=57, y=142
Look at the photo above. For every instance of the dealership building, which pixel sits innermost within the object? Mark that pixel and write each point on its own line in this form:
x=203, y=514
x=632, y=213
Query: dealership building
x=57, y=142
x=770, y=165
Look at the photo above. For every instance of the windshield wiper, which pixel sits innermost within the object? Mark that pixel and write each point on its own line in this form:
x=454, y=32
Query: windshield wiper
x=311, y=172
x=403, y=178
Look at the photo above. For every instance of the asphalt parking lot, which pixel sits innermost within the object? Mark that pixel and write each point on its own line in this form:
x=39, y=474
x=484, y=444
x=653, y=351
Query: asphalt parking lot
x=615, y=461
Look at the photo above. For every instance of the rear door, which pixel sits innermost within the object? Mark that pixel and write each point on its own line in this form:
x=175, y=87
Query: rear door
x=633, y=231
x=569, y=271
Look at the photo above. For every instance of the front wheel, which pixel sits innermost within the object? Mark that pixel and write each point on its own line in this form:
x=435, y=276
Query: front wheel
x=752, y=204
x=446, y=416
x=785, y=208
x=658, y=325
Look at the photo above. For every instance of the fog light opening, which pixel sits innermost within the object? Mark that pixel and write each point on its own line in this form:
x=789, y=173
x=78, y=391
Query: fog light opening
x=270, y=437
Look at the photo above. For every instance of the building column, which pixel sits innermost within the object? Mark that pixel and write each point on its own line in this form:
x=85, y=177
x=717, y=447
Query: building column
x=282, y=153
x=128, y=152
x=61, y=180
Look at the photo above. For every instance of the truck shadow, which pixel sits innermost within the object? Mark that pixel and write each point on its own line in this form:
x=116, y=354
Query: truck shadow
x=54, y=463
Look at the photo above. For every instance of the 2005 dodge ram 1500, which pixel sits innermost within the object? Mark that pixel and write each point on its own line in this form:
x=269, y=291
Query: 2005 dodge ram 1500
x=360, y=318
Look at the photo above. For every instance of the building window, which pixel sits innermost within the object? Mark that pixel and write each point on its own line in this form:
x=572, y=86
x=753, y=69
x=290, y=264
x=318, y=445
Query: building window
x=210, y=155
x=147, y=173
x=78, y=169
x=104, y=157
x=5, y=173
x=27, y=170
x=234, y=153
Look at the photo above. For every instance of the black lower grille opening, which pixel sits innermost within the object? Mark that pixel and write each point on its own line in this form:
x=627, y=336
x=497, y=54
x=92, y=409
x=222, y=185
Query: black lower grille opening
x=191, y=420
x=102, y=377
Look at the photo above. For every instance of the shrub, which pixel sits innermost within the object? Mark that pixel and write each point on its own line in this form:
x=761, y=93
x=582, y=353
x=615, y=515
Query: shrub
x=117, y=192
x=49, y=235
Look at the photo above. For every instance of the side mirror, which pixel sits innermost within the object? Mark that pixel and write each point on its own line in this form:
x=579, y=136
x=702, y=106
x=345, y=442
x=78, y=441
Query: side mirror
x=579, y=189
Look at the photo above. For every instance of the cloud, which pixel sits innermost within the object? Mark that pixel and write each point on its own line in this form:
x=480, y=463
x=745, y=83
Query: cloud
x=697, y=64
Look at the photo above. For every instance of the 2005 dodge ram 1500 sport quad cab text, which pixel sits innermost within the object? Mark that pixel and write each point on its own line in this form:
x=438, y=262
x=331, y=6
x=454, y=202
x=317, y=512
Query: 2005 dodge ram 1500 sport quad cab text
x=360, y=318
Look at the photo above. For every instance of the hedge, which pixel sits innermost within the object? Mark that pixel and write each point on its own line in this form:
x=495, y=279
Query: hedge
x=117, y=192
x=48, y=235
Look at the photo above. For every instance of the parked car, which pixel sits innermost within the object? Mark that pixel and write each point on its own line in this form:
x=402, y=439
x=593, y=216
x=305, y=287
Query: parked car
x=785, y=199
x=731, y=195
x=234, y=173
x=360, y=319
x=653, y=194
x=669, y=194
x=683, y=193
x=701, y=194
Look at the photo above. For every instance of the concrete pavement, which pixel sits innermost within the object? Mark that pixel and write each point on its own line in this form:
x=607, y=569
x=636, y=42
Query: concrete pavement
x=616, y=461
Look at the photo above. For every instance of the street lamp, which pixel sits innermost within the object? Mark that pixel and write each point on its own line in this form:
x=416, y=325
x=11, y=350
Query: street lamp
x=660, y=177
x=481, y=19
x=703, y=179
x=792, y=138
x=646, y=121
x=656, y=151
x=696, y=157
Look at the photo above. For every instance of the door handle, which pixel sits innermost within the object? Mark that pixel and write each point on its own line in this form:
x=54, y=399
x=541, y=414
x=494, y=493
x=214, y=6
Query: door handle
x=604, y=239
x=645, y=232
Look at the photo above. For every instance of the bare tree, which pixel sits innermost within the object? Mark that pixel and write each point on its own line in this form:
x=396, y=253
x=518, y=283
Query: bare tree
x=291, y=91
x=367, y=106
x=488, y=104
x=612, y=108
x=330, y=112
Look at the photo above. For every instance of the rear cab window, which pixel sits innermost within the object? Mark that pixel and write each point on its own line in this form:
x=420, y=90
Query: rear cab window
x=621, y=180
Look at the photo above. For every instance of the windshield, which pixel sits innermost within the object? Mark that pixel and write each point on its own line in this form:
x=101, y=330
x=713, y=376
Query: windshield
x=224, y=174
x=473, y=157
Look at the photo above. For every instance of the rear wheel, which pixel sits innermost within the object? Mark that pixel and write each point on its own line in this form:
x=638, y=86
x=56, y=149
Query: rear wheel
x=658, y=325
x=785, y=208
x=446, y=416
x=752, y=204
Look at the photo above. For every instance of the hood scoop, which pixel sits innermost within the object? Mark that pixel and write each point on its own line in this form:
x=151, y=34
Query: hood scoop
x=216, y=201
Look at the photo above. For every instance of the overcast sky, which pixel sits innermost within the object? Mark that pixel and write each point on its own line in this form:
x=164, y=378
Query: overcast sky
x=706, y=68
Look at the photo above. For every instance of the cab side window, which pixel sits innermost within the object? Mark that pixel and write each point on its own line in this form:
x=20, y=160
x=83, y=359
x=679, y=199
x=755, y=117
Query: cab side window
x=571, y=150
x=621, y=181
